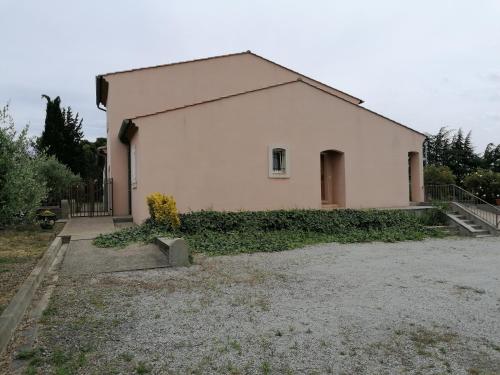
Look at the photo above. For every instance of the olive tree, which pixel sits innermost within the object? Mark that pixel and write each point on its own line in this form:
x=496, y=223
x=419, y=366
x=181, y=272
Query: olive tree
x=22, y=187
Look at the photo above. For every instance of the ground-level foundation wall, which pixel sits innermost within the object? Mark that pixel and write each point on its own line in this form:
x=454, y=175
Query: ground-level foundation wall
x=151, y=90
x=215, y=156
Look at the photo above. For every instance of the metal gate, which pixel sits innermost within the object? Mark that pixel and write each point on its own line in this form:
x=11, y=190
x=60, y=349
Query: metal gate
x=91, y=198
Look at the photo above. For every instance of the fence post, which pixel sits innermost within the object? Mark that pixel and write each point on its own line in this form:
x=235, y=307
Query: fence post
x=64, y=209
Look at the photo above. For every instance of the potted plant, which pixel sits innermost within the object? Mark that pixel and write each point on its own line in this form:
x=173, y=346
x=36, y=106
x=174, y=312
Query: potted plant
x=47, y=219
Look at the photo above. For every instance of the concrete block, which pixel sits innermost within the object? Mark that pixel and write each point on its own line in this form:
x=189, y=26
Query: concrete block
x=175, y=249
x=65, y=213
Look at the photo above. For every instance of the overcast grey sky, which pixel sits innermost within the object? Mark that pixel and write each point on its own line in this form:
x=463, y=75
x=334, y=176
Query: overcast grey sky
x=424, y=63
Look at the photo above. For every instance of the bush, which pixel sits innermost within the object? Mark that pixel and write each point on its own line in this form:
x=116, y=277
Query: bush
x=163, y=210
x=58, y=177
x=22, y=187
x=237, y=232
x=146, y=232
x=434, y=216
x=438, y=175
x=321, y=221
x=484, y=183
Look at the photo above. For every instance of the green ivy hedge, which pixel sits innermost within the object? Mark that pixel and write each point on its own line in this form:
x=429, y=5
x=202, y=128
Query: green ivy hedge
x=320, y=221
x=218, y=233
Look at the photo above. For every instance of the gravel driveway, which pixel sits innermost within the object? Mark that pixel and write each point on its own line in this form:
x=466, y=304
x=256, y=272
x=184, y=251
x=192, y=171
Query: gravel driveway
x=412, y=307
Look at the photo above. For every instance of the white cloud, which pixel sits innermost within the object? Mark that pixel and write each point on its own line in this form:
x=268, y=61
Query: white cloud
x=424, y=63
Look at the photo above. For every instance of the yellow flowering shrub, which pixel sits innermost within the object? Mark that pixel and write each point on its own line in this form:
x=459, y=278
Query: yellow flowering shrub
x=163, y=210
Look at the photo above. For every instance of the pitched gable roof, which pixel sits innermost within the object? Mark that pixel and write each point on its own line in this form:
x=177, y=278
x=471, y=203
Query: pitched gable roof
x=101, y=84
x=130, y=122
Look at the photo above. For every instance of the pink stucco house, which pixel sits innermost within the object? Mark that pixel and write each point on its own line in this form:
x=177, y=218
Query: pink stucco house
x=240, y=132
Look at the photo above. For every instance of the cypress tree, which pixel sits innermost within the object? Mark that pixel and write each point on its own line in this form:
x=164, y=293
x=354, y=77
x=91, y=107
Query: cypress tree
x=62, y=136
x=73, y=137
x=52, y=140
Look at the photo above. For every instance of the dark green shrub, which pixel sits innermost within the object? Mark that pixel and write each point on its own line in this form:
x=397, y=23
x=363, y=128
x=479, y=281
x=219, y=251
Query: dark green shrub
x=239, y=232
x=321, y=221
x=434, y=216
x=58, y=178
x=485, y=184
x=438, y=175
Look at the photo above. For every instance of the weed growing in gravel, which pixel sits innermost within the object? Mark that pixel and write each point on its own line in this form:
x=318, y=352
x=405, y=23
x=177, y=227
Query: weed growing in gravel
x=30, y=370
x=143, y=368
x=266, y=368
x=127, y=357
x=26, y=354
x=51, y=310
x=235, y=345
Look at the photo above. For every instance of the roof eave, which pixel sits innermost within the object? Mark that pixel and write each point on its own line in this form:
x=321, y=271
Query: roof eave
x=127, y=124
x=101, y=91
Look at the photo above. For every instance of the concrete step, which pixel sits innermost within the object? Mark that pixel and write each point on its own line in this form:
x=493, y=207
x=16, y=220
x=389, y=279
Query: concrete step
x=477, y=230
x=468, y=225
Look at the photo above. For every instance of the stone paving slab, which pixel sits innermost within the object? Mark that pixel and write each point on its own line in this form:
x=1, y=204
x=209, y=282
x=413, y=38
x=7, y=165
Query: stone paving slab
x=84, y=258
x=86, y=228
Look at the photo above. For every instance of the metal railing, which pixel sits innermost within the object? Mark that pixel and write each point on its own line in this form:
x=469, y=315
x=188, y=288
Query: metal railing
x=91, y=198
x=467, y=200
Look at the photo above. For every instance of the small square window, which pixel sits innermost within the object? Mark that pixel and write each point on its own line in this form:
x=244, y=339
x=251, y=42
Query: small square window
x=279, y=160
x=279, y=164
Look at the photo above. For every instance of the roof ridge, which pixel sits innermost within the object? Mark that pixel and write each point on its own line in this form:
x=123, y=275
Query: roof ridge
x=174, y=63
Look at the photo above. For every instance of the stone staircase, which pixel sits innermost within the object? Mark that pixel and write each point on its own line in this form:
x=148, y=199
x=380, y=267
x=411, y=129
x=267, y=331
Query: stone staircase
x=467, y=226
x=469, y=214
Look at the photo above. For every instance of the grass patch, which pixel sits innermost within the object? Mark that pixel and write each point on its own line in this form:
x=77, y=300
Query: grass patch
x=63, y=361
x=221, y=233
x=424, y=338
x=20, y=248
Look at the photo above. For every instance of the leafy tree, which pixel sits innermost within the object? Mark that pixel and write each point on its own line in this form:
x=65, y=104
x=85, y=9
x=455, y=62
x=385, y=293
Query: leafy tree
x=439, y=147
x=454, y=150
x=484, y=183
x=57, y=177
x=21, y=186
x=438, y=175
x=93, y=164
x=491, y=158
x=463, y=160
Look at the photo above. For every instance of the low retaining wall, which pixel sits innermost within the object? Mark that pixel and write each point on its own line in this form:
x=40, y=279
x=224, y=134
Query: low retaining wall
x=14, y=312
